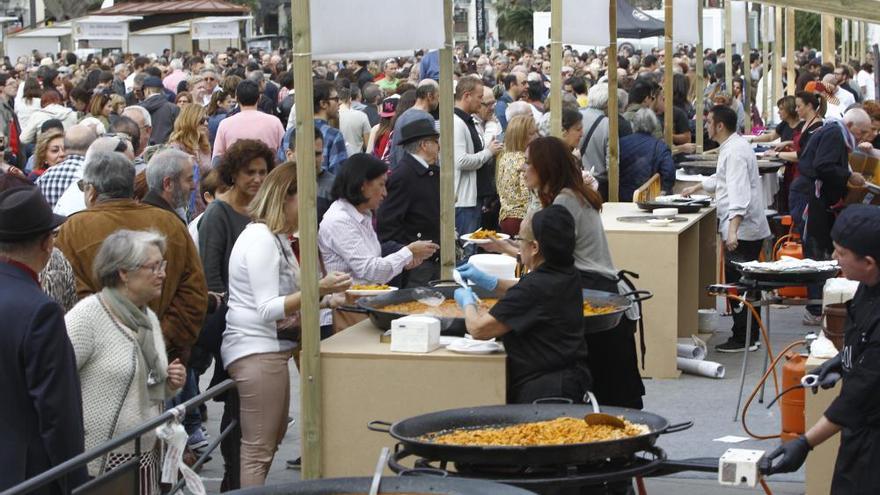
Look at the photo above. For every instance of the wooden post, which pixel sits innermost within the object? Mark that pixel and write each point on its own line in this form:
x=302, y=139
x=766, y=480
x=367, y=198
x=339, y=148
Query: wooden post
x=767, y=102
x=747, y=77
x=844, y=41
x=791, y=88
x=310, y=358
x=728, y=47
x=556, y=68
x=778, y=45
x=700, y=80
x=668, y=129
x=447, y=157
x=828, y=44
x=613, y=108
x=863, y=41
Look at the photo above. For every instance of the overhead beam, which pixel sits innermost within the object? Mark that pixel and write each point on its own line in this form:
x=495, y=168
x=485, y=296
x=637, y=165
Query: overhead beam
x=866, y=10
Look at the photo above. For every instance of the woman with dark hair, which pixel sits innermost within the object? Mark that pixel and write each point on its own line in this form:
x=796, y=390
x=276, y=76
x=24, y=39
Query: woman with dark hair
x=380, y=134
x=540, y=316
x=29, y=101
x=100, y=108
x=219, y=107
x=347, y=239
x=183, y=98
x=242, y=170
x=554, y=174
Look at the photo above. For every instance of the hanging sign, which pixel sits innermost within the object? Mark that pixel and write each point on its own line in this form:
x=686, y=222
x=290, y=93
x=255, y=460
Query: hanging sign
x=577, y=13
x=685, y=25
x=100, y=30
x=227, y=30
x=345, y=29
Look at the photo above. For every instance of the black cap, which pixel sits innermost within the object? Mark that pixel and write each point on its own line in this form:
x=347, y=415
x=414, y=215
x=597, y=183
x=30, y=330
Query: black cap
x=25, y=214
x=857, y=230
x=554, y=230
x=417, y=129
x=152, y=82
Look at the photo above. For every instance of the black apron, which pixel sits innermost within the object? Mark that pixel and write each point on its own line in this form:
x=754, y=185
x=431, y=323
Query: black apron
x=612, y=358
x=857, y=470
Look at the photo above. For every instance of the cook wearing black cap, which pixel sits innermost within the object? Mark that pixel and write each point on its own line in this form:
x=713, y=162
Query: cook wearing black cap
x=855, y=413
x=540, y=317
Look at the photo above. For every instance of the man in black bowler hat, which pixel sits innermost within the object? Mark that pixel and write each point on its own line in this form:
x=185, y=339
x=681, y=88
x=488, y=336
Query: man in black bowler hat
x=41, y=422
x=411, y=211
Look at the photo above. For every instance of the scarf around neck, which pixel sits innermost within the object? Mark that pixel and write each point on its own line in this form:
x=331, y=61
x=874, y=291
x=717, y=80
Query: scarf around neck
x=137, y=320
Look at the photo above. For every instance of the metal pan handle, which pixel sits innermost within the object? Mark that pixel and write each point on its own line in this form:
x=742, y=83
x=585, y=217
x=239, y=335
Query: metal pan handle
x=442, y=282
x=639, y=295
x=418, y=472
x=678, y=427
x=380, y=426
x=353, y=309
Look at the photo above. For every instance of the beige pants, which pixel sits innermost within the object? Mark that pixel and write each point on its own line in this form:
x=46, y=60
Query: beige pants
x=263, y=382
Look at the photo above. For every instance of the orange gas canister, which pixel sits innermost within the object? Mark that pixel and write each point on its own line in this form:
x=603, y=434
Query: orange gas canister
x=792, y=403
x=792, y=248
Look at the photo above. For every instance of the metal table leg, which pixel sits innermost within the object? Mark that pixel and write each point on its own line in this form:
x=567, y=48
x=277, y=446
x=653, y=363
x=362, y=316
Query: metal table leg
x=765, y=316
x=742, y=375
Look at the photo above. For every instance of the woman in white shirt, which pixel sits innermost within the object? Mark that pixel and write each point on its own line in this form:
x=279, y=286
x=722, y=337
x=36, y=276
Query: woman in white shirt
x=262, y=323
x=29, y=101
x=347, y=239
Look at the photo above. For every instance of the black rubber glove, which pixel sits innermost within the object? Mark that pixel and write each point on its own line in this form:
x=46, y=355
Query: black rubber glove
x=828, y=373
x=793, y=453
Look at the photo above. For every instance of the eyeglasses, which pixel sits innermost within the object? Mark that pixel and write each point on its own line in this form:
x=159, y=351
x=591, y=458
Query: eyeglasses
x=333, y=98
x=157, y=267
x=487, y=104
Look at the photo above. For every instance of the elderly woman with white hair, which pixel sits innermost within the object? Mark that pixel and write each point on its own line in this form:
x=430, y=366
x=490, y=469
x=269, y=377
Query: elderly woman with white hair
x=593, y=147
x=120, y=354
x=642, y=155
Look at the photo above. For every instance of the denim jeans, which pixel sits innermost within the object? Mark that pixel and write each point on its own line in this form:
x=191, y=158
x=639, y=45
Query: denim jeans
x=193, y=419
x=467, y=220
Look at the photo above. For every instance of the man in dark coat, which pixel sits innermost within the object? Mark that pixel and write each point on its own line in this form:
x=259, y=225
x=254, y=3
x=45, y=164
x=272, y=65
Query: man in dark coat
x=163, y=113
x=855, y=412
x=41, y=423
x=411, y=211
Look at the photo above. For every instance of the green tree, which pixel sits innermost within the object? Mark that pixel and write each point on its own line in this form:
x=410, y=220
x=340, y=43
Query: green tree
x=515, y=19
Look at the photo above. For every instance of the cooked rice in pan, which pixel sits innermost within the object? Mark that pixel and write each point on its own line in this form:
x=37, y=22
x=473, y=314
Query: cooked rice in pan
x=559, y=431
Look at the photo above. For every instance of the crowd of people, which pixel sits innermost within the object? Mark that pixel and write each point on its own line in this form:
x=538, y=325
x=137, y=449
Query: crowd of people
x=149, y=220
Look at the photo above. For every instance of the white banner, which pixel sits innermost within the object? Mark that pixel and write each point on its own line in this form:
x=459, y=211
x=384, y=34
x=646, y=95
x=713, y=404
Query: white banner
x=585, y=22
x=215, y=30
x=768, y=28
x=738, y=28
x=347, y=29
x=100, y=30
x=685, y=25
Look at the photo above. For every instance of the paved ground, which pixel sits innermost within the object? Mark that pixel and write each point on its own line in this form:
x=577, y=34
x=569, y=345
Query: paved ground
x=709, y=403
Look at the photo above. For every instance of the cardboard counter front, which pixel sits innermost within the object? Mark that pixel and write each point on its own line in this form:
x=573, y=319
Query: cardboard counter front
x=364, y=381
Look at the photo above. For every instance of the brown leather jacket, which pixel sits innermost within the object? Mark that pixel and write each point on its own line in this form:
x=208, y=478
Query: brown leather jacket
x=184, y=300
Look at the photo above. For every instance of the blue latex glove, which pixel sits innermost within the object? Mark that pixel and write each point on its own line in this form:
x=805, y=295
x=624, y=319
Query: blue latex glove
x=480, y=278
x=465, y=297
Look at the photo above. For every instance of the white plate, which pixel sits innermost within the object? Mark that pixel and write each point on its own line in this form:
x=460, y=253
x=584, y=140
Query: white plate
x=478, y=348
x=359, y=292
x=467, y=238
x=659, y=222
x=679, y=197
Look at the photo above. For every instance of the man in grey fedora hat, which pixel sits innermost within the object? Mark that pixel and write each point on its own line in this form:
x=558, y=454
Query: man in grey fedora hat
x=411, y=211
x=41, y=424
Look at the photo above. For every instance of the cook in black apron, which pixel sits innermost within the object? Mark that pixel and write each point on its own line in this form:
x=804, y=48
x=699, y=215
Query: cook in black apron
x=540, y=317
x=855, y=413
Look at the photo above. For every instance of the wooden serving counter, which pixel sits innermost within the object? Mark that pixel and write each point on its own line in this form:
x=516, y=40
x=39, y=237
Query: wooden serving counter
x=820, y=463
x=677, y=263
x=364, y=381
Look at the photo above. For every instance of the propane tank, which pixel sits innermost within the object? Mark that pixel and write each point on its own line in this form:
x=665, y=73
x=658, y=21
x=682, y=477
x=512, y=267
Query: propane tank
x=791, y=404
x=793, y=249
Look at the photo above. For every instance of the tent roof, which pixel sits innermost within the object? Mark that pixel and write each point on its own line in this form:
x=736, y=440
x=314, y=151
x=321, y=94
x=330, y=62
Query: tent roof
x=175, y=7
x=633, y=23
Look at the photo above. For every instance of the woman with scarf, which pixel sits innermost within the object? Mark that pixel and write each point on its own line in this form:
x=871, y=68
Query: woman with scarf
x=120, y=354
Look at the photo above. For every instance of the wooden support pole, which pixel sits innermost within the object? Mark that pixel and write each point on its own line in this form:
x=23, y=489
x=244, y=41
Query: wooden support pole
x=556, y=68
x=700, y=80
x=728, y=47
x=747, y=75
x=310, y=358
x=668, y=129
x=863, y=42
x=778, y=44
x=767, y=102
x=613, y=108
x=791, y=77
x=828, y=44
x=447, y=157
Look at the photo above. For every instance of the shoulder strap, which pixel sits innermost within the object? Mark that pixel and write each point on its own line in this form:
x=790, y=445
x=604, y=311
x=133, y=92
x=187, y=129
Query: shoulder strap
x=590, y=133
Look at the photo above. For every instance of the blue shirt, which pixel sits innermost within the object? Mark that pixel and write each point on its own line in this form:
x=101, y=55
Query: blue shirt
x=501, y=109
x=334, y=145
x=430, y=66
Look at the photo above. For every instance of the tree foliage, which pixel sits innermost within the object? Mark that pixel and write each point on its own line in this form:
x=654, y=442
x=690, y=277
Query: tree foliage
x=62, y=10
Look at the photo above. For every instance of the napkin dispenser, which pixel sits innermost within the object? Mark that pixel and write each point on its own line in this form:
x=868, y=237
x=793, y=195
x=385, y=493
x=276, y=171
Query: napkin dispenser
x=415, y=333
